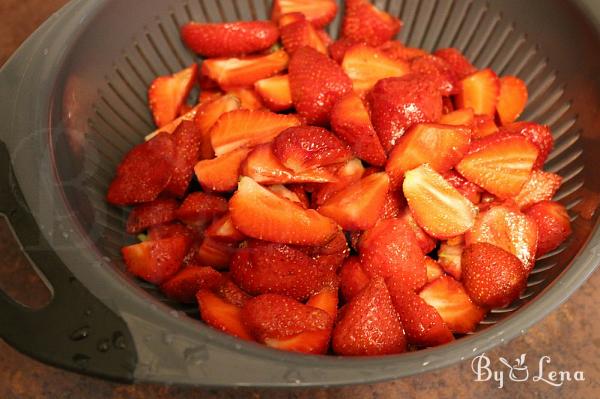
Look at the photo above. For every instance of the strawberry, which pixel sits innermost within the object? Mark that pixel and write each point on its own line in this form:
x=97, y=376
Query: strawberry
x=249, y=99
x=453, y=304
x=500, y=164
x=440, y=146
x=392, y=207
x=183, y=286
x=305, y=147
x=144, y=172
x=541, y=186
x=150, y=214
x=187, y=139
x=155, y=261
x=327, y=300
x=208, y=113
x=479, y=91
x=484, y=126
x=469, y=190
x=358, y=206
x=539, y=135
x=399, y=103
x=391, y=249
x=221, y=173
x=331, y=255
x=351, y=172
x=283, y=192
x=353, y=278
x=231, y=293
x=365, y=22
x=350, y=120
x=553, y=223
x=228, y=39
x=440, y=209
x=316, y=83
x=275, y=92
x=460, y=117
x=290, y=18
x=300, y=33
x=509, y=229
x=167, y=94
x=318, y=12
x=214, y=253
x=398, y=51
x=198, y=209
x=422, y=324
x=169, y=230
x=438, y=71
x=171, y=126
x=491, y=276
x=208, y=95
x=434, y=270
x=244, y=128
x=338, y=49
x=222, y=229
x=511, y=99
x=366, y=65
x=258, y=213
x=458, y=62
x=426, y=242
x=450, y=258
x=369, y=324
x=244, y=71
x=222, y=315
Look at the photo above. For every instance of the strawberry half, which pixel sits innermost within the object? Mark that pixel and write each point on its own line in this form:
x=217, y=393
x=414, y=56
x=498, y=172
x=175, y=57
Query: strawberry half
x=150, y=214
x=275, y=92
x=365, y=22
x=353, y=278
x=198, y=209
x=458, y=62
x=155, y=261
x=434, y=270
x=484, y=125
x=187, y=139
x=479, y=91
x=460, y=117
x=222, y=315
x=167, y=94
x=222, y=229
x=331, y=255
x=221, y=173
x=183, y=286
x=511, y=99
x=450, y=258
x=539, y=135
x=231, y=293
x=318, y=12
x=282, y=191
x=208, y=113
x=541, y=186
x=213, y=253
x=395, y=50
x=348, y=174
x=300, y=33
x=171, y=126
x=249, y=99
x=553, y=223
x=438, y=70
x=426, y=242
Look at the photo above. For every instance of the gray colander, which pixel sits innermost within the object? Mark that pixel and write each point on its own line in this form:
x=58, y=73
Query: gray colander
x=73, y=101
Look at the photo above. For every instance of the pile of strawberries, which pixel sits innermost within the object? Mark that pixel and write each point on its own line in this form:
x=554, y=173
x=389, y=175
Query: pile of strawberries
x=356, y=197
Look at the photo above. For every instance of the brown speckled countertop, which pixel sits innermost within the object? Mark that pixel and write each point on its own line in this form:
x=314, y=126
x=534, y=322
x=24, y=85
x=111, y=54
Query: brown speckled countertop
x=570, y=336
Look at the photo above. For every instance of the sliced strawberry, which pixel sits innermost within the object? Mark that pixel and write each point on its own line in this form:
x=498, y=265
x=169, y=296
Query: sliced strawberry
x=230, y=292
x=469, y=190
x=484, y=125
x=318, y=12
x=199, y=209
x=283, y=192
x=453, y=304
x=214, y=253
x=171, y=126
x=222, y=315
x=459, y=63
x=222, y=229
x=365, y=22
x=438, y=71
x=338, y=49
x=208, y=113
x=187, y=139
x=501, y=164
x=350, y=173
x=399, y=103
x=331, y=255
x=353, y=278
x=392, y=207
x=450, y=258
x=491, y=276
x=316, y=83
x=155, y=261
x=460, y=117
x=170, y=230
x=553, y=223
x=150, y=214
x=258, y=213
x=426, y=242
x=327, y=300
x=539, y=135
x=479, y=91
x=512, y=99
x=249, y=99
x=398, y=51
x=350, y=120
x=369, y=324
x=183, y=286
x=228, y=39
x=541, y=186
x=434, y=270
x=300, y=33
x=290, y=18
x=440, y=209
x=221, y=173
x=167, y=94
x=208, y=95
x=275, y=92
x=244, y=71
x=144, y=172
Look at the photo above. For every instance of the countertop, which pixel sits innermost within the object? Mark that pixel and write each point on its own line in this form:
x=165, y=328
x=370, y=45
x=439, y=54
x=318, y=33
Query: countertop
x=569, y=336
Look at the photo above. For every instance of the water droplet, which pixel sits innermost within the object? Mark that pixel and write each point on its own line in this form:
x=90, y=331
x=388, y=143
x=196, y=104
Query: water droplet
x=45, y=52
x=501, y=339
x=81, y=360
x=522, y=332
x=118, y=340
x=462, y=358
x=475, y=349
x=197, y=355
x=80, y=333
x=425, y=364
x=103, y=345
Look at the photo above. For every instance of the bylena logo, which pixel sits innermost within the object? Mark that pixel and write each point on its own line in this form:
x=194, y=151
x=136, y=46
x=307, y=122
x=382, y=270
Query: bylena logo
x=519, y=371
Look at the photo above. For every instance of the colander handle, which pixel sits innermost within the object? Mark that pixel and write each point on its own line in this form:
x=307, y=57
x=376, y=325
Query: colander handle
x=75, y=330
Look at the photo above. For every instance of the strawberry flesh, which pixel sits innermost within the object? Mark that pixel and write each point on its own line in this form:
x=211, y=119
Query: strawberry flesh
x=167, y=94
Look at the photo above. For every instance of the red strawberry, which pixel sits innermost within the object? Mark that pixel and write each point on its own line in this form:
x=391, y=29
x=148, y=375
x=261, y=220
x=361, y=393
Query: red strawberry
x=469, y=190
x=170, y=127
x=228, y=39
x=479, y=91
x=352, y=278
x=290, y=18
x=222, y=229
x=144, y=172
x=150, y=214
x=331, y=255
x=358, y=206
x=539, y=135
x=167, y=94
x=170, y=230
x=249, y=99
x=316, y=82
x=301, y=33
x=187, y=139
x=440, y=209
x=511, y=99
x=460, y=117
x=275, y=92
x=491, y=276
x=369, y=324
x=392, y=207
x=553, y=224
x=221, y=173
x=438, y=71
x=484, y=125
x=258, y=213
x=338, y=49
x=183, y=286
x=318, y=12
x=399, y=103
x=244, y=128
x=365, y=22
x=198, y=209
x=348, y=174
x=208, y=113
x=426, y=242
x=155, y=261
x=450, y=258
x=541, y=186
x=327, y=300
x=208, y=95
x=434, y=270
x=230, y=292
x=214, y=253
x=282, y=191
x=398, y=51
x=453, y=304
x=222, y=315
x=459, y=63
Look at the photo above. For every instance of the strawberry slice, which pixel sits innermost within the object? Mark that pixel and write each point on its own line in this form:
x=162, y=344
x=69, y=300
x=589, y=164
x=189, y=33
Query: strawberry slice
x=244, y=128
x=450, y=258
x=305, y=147
x=479, y=91
x=187, y=139
x=469, y=190
x=350, y=120
x=259, y=213
x=511, y=99
x=539, y=135
x=434, y=270
x=290, y=18
x=283, y=192
x=150, y=214
x=244, y=71
x=453, y=304
x=491, y=276
x=318, y=12
x=170, y=127
x=399, y=103
x=221, y=173
x=144, y=172
x=459, y=63
x=509, y=229
x=300, y=33
x=208, y=95
x=353, y=278
x=155, y=261
x=183, y=286
x=222, y=229
x=167, y=94
x=275, y=92
x=358, y=206
x=351, y=172
x=501, y=164
x=440, y=209
x=369, y=324
x=169, y=230
x=222, y=315
x=214, y=253
x=208, y=113
x=440, y=146
x=367, y=65
x=484, y=125
x=553, y=223
x=438, y=71
x=426, y=242
x=198, y=209
x=460, y=117
x=229, y=38
x=398, y=51
x=316, y=83
x=231, y=293
x=331, y=255
x=541, y=186
x=249, y=99
x=338, y=48
x=327, y=300
x=365, y=22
